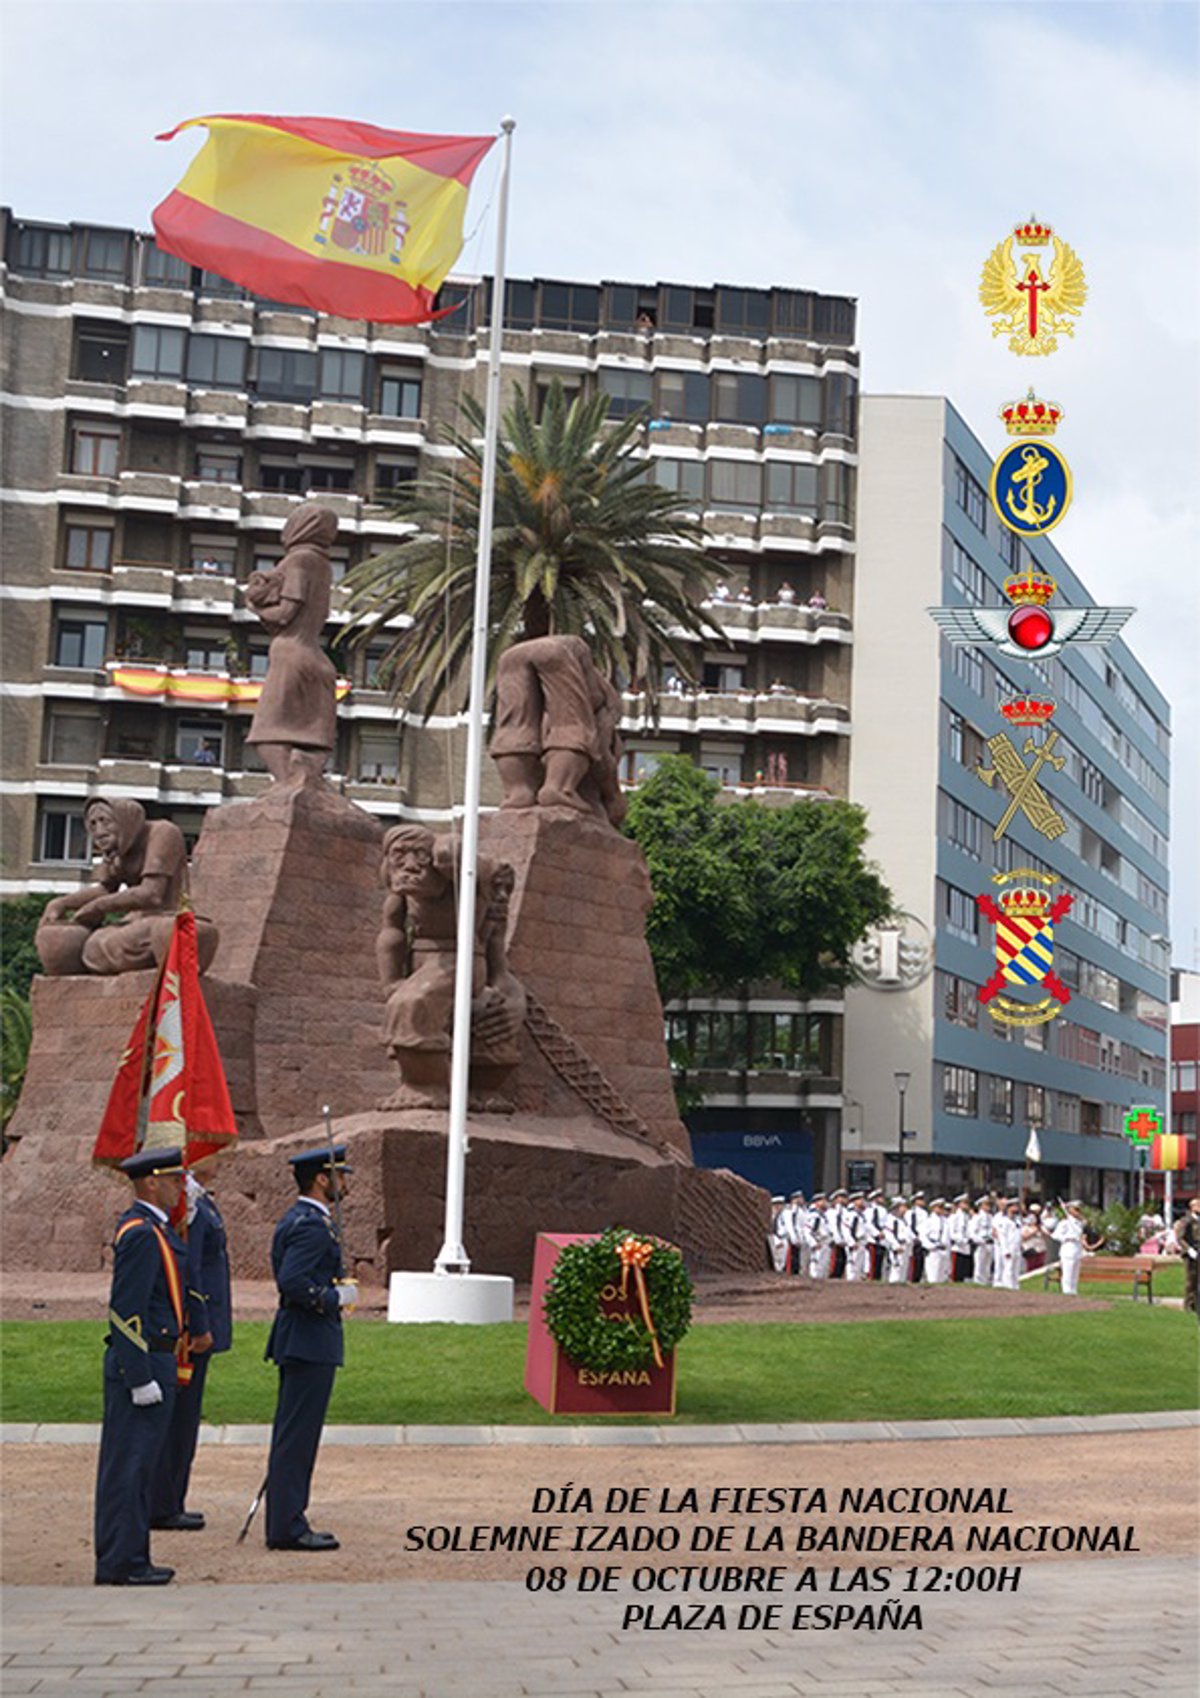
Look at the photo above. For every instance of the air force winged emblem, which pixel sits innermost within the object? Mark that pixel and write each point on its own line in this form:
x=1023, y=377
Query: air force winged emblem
x=1031, y=310
x=1032, y=630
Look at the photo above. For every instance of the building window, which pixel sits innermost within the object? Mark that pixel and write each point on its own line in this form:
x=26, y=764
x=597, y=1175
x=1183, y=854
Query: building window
x=963, y=741
x=722, y=678
x=791, y=488
x=541, y=394
x=42, y=252
x=94, y=452
x=204, y=654
x=1035, y=1105
x=218, y=465
x=100, y=356
x=628, y=391
x=743, y=312
x=725, y=765
x=960, y=1091
x=286, y=374
x=739, y=398
x=158, y=351
x=686, y=310
x=1000, y=1099
x=80, y=642
x=683, y=395
x=841, y=392
x=200, y=744
x=961, y=914
x=105, y=254
x=637, y=765
x=960, y=826
x=394, y=478
x=970, y=496
x=164, y=271
x=326, y=475
x=520, y=312
x=570, y=306
x=62, y=836
x=217, y=362
x=837, y=492
x=796, y=401
x=966, y=576
x=378, y=759
x=342, y=375
x=283, y=477
x=400, y=394
x=89, y=548
x=684, y=477
x=72, y=739
x=960, y=1001
x=213, y=559
x=212, y=283
x=1183, y=1076
x=736, y=484
x=833, y=319
x=259, y=659
x=968, y=665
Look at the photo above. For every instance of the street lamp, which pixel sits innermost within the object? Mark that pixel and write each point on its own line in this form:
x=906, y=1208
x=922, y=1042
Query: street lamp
x=901, y=1087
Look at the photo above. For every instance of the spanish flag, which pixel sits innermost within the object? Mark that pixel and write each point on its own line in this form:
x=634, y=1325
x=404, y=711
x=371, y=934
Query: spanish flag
x=344, y=217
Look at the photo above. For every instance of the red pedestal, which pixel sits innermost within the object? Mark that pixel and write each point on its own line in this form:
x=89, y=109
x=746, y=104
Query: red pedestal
x=561, y=1387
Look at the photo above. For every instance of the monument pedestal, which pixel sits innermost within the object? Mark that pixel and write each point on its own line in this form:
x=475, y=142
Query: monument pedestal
x=470, y=1299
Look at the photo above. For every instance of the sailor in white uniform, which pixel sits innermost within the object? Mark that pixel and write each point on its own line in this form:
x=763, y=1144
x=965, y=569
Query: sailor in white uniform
x=778, y=1244
x=1006, y=1275
x=1073, y=1245
x=983, y=1241
x=819, y=1237
x=898, y=1240
x=936, y=1241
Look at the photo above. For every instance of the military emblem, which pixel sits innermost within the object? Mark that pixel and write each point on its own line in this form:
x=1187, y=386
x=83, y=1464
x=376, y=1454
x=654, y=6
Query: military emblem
x=1031, y=481
x=1021, y=781
x=1032, y=310
x=895, y=955
x=362, y=215
x=1024, y=919
x=1032, y=630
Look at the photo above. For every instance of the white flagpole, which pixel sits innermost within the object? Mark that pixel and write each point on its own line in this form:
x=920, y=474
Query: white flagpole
x=452, y=1257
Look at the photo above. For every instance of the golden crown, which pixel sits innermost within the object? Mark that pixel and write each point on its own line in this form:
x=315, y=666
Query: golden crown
x=1030, y=588
x=1025, y=904
x=1031, y=234
x=1028, y=710
x=1031, y=417
x=364, y=176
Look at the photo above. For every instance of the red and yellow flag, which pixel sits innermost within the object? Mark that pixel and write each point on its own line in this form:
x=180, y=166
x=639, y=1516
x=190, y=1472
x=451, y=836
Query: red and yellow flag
x=1168, y=1153
x=344, y=217
x=170, y=1086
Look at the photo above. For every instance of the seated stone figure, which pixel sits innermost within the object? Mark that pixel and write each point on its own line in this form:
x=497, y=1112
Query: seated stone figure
x=555, y=742
x=416, y=955
x=142, y=876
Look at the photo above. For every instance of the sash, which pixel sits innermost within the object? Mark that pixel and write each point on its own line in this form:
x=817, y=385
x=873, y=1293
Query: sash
x=183, y=1361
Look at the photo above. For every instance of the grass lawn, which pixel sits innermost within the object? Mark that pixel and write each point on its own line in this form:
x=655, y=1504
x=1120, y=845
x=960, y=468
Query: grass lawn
x=1128, y=1357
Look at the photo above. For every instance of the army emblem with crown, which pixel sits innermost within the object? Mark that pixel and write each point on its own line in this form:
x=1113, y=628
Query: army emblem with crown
x=1031, y=308
x=1024, y=919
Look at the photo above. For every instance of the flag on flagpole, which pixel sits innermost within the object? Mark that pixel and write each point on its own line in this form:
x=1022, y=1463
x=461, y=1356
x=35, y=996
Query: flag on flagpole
x=1033, y=1150
x=319, y=212
x=170, y=1086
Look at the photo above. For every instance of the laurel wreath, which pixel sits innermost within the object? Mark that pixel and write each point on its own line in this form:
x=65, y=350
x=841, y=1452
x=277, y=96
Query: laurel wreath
x=592, y=1339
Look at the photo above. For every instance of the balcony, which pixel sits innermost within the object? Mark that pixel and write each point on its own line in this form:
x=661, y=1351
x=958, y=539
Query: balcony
x=777, y=621
x=201, y=499
x=143, y=581
x=151, y=491
x=666, y=433
x=743, y=349
x=743, y=711
x=338, y=420
x=387, y=428
x=217, y=409
x=156, y=398
x=217, y=309
x=207, y=592
x=732, y=436
x=279, y=418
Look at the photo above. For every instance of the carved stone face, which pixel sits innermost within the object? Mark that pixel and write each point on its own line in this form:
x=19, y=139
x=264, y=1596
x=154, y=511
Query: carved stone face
x=102, y=825
x=503, y=880
x=410, y=868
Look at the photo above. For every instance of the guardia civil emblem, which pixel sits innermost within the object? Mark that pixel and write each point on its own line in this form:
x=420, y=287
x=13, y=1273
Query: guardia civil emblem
x=1026, y=795
x=1033, y=309
x=1031, y=482
x=1024, y=919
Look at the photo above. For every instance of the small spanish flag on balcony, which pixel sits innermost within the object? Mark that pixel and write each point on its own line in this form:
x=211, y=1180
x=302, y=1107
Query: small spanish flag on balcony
x=1168, y=1153
x=344, y=217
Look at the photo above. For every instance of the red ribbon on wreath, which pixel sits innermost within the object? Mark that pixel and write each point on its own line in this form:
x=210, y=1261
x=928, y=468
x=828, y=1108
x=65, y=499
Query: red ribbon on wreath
x=635, y=1253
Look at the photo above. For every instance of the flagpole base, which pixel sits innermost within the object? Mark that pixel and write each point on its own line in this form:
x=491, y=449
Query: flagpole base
x=468, y=1299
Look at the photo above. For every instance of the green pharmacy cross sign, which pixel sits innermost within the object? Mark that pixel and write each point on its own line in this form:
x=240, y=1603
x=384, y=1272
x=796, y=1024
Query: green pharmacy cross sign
x=1142, y=1126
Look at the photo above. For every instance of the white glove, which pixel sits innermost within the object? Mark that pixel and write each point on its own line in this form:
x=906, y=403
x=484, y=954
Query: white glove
x=144, y=1396
x=347, y=1294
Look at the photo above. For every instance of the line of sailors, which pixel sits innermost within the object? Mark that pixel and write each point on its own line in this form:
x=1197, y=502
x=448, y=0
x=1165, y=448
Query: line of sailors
x=858, y=1235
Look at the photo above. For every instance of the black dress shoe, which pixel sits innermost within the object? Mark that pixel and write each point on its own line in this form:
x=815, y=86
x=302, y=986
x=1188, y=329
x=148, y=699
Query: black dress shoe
x=308, y=1541
x=148, y=1576
x=187, y=1521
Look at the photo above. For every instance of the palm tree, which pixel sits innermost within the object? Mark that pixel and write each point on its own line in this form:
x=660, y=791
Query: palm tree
x=583, y=544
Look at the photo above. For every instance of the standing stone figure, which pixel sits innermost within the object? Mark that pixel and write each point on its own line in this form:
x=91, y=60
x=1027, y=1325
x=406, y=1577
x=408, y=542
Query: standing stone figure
x=295, y=723
x=555, y=741
x=143, y=877
x=416, y=955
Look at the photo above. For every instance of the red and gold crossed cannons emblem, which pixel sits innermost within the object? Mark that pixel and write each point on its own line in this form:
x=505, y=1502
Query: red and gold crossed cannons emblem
x=1024, y=920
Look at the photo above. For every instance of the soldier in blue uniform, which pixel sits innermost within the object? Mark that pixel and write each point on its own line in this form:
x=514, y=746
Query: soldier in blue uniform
x=305, y=1343
x=210, y=1332
x=146, y=1319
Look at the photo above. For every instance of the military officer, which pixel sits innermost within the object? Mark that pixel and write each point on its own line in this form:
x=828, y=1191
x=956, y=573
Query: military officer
x=210, y=1332
x=962, y=1248
x=1187, y=1236
x=935, y=1238
x=983, y=1241
x=819, y=1255
x=778, y=1244
x=838, y=1209
x=898, y=1241
x=146, y=1322
x=877, y=1219
x=305, y=1342
x=918, y=1216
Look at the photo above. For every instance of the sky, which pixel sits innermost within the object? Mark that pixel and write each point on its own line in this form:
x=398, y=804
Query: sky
x=873, y=150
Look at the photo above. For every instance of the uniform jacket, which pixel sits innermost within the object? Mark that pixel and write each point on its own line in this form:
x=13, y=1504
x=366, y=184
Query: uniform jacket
x=140, y=1313
x=209, y=1308
x=307, y=1259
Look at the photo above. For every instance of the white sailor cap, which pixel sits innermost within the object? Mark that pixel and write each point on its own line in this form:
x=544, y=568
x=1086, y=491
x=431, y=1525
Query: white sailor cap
x=983, y=1202
x=961, y=1198
x=796, y=1194
x=819, y=1197
x=938, y=1203
x=871, y=1195
x=917, y=1197
x=779, y=1199
x=899, y=1202
x=1075, y=1203
x=840, y=1192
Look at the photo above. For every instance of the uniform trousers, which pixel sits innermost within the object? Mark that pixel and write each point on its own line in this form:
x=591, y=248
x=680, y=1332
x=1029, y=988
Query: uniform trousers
x=983, y=1265
x=131, y=1441
x=1071, y=1260
x=304, y=1393
x=960, y=1265
x=168, y=1491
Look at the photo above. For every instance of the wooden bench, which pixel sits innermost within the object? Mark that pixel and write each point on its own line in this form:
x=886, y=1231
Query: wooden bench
x=1112, y=1270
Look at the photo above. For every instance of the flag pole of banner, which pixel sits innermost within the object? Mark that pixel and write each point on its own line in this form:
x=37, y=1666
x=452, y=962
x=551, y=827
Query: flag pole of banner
x=320, y=212
x=170, y=1086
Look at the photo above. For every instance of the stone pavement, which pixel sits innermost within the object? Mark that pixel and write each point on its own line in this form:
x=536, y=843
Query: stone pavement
x=1115, y=1628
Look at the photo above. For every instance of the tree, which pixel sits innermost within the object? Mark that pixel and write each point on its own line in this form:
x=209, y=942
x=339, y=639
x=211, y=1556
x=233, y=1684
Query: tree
x=583, y=544
x=19, y=917
x=16, y=1035
x=745, y=893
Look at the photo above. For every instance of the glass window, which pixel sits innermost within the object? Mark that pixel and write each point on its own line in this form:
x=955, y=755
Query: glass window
x=960, y=1001
x=739, y=398
x=212, y=283
x=342, y=374
x=961, y=914
x=200, y=743
x=792, y=312
x=286, y=374
x=628, y=391
x=218, y=362
x=95, y=452
x=204, y=654
x=215, y=464
x=841, y=393
x=685, y=477
x=164, y=270
x=43, y=252
x=213, y=559
x=283, y=476
x=458, y=300
x=1035, y=1105
x=743, y=312
x=677, y=309
x=725, y=679
x=80, y=642
x=637, y=765
x=967, y=576
x=72, y=739
x=378, y=758
x=968, y=665
x=400, y=394
x=683, y=395
x=100, y=356
x=570, y=306
x=327, y=477
x=796, y=400
x=89, y=548
x=960, y=1091
x=960, y=826
x=970, y=496
x=833, y=319
x=791, y=488
x=837, y=493
x=736, y=484
x=105, y=254
x=158, y=351
x=1000, y=1100
x=395, y=477
x=259, y=660
x=62, y=836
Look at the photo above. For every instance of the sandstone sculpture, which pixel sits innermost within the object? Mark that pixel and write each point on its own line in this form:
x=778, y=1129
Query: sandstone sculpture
x=416, y=955
x=555, y=742
x=295, y=723
x=142, y=877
